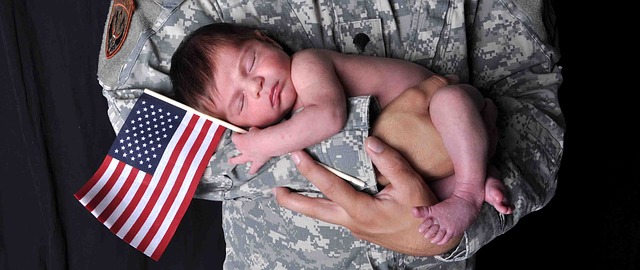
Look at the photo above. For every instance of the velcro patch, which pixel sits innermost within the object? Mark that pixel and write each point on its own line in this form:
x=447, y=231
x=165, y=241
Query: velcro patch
x=119, y=23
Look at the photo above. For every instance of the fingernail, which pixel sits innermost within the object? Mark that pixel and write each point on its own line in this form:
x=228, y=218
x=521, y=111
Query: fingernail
x=295, y=158
x=375, y=145
x=422, y=228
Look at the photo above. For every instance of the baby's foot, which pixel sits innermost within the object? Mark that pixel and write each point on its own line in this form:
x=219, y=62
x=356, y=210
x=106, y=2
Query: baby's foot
x=494, y=189
x=494, y=192
x=447, y=219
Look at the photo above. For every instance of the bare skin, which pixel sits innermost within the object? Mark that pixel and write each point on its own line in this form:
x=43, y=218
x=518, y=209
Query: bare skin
x=260, y=85
x=406, y=125
x=367, y=216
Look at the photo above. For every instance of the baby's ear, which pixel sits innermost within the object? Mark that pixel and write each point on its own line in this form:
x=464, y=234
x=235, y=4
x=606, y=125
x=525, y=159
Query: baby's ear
x=266, y=38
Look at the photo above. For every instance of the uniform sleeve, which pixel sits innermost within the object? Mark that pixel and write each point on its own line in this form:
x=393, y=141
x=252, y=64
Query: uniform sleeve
x=501, y=44
x=515, y=66
x=143, y=58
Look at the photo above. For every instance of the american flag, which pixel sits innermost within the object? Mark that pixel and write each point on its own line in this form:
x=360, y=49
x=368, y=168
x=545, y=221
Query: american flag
x=146, y=182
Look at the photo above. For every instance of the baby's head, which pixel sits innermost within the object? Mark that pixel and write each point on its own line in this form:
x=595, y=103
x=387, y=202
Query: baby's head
x=233, y=73
x=194, y=62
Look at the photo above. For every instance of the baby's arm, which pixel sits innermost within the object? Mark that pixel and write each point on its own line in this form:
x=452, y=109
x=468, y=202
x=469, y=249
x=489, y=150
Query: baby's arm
x=322, y=96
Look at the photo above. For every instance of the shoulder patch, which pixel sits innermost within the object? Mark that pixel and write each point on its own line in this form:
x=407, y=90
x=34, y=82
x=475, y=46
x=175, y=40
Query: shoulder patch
x=119, y=23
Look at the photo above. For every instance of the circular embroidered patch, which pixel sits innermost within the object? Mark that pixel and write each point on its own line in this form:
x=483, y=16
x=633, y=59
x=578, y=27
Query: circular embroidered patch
x=119, y=23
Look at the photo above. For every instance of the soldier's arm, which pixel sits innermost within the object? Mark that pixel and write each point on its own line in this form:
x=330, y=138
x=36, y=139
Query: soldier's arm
x=520, y=74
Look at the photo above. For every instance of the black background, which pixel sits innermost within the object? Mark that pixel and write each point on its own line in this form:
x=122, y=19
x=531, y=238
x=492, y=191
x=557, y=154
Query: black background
x=55, y=133
x=593, y=221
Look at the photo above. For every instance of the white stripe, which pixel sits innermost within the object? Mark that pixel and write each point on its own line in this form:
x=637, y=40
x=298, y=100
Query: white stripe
x=173, y=178
x=192, y=110
x=137, y=182
x=100, y=183
x=114, y=190
x=155, y=178
x=180, y=198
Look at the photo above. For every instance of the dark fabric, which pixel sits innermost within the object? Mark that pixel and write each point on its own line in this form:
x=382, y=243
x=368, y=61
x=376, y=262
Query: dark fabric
x=55, y=133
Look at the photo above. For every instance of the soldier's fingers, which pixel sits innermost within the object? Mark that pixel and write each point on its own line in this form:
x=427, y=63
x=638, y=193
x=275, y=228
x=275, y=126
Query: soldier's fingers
x=452, y=78
x=434, y=82
x=254, y=168
x=332, y=186
x=239, y=159
x=392, y=165
x=318, y=208
x=235, y=136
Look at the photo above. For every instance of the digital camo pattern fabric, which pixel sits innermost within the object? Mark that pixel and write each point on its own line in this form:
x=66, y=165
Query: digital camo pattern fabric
x=492, y=44
x=344, y=151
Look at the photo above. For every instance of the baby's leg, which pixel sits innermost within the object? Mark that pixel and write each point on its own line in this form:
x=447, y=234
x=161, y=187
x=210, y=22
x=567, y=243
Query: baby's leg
x=466, y=123
x=494, y=188
x=443, y=188
x=406, y=125
x=455, y=112
x=494, y=192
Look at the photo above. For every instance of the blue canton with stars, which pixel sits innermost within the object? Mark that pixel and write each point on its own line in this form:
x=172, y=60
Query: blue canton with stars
x=145, y=135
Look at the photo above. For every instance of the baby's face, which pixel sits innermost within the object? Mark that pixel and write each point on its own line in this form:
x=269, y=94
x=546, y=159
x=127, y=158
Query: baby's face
x=253, y=84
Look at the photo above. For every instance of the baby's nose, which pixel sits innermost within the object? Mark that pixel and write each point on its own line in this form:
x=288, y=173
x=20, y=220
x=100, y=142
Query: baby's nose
x=255, y=87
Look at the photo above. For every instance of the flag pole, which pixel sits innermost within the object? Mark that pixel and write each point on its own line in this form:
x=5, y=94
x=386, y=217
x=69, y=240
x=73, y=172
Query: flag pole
x=187, y=108
x=234, y=128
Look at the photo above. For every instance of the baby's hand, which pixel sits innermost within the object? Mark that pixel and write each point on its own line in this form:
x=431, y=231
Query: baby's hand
x=250, y=150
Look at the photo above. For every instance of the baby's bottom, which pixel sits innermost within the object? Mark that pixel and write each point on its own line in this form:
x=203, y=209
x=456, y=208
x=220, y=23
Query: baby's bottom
x=405, y=124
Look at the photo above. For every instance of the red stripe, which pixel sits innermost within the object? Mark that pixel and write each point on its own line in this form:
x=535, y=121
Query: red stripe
x=189, y=195
x=216, y=140
x=94, y=179
x=171, y=164
x=184, y=168
x=106, y=188
x=106, y=213
x=132, y=205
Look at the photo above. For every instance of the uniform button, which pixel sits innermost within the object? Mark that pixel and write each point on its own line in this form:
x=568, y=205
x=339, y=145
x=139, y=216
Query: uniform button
x=361, y=40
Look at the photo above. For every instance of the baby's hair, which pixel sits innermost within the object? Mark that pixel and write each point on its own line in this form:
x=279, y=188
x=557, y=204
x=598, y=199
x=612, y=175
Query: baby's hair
x=194, y=61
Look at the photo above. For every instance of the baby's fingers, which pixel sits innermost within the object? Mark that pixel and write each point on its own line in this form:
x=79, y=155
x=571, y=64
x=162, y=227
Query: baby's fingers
x=255, y=166
x=239, y=159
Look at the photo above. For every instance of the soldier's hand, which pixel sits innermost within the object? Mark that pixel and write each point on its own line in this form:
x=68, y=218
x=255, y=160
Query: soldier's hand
x=384, y=219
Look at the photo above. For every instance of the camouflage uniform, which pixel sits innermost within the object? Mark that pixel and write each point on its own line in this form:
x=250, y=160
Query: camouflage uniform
x=500, y=46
